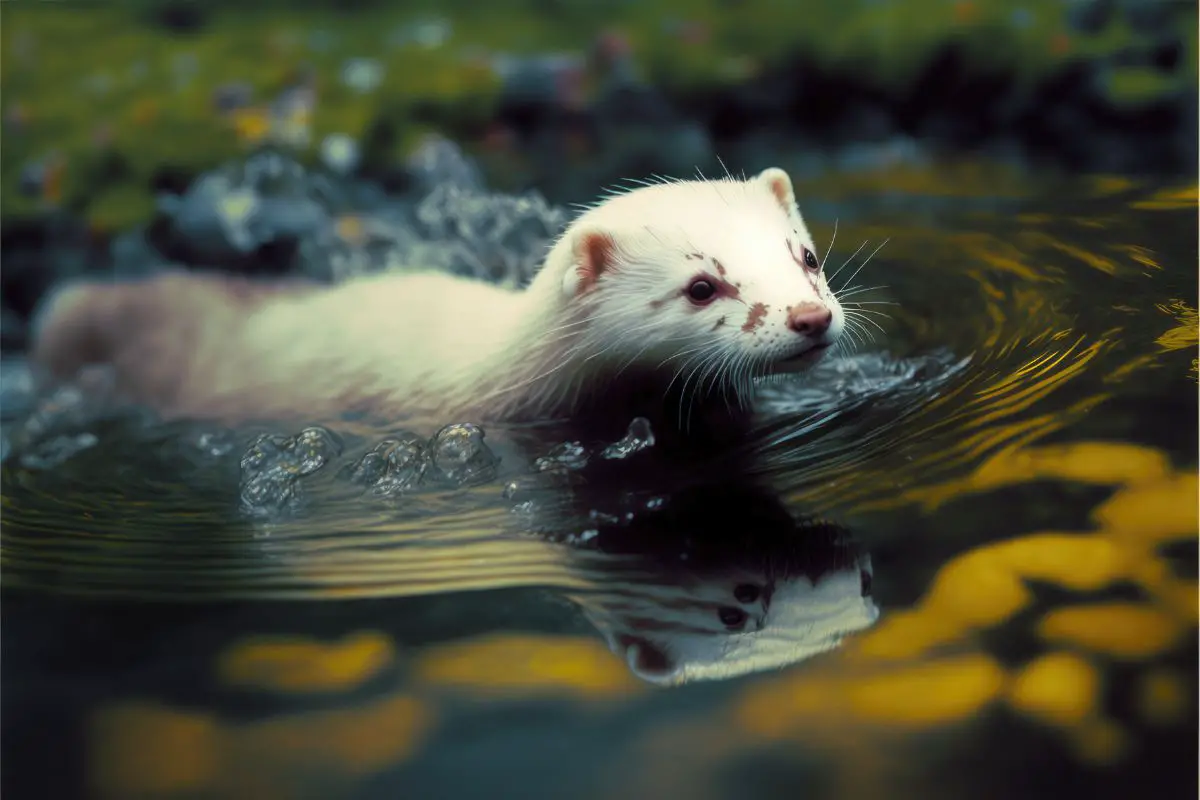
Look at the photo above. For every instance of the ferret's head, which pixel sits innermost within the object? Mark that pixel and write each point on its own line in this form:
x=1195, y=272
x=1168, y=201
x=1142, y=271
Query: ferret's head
x=717, y=276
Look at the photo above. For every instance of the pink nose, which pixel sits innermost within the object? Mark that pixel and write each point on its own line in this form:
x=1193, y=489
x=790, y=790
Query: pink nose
x=810, y=319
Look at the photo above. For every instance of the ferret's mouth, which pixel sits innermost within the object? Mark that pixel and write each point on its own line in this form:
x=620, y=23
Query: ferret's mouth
x=803, y=359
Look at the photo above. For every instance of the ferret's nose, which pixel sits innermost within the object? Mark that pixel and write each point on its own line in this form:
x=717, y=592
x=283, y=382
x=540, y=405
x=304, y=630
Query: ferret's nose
x=810, y=319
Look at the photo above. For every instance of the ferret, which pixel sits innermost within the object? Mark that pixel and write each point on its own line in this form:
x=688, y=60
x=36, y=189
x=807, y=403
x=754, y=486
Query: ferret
x=671, y=295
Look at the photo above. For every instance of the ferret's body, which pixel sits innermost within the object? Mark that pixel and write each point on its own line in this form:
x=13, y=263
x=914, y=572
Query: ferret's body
x=697, y=286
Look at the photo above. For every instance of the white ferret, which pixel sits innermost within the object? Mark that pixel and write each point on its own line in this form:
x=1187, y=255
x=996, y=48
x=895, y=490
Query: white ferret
x=692, y=287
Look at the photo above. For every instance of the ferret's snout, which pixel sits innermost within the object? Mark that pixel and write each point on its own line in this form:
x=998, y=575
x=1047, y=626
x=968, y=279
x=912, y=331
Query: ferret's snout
x=809, y=319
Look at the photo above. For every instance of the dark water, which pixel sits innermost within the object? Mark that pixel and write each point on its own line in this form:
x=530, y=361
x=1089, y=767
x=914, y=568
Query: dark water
x=960, y=561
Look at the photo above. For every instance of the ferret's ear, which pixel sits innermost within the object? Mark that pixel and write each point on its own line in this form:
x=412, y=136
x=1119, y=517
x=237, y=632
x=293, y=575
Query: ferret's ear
x=780, y=185
x=592, y=254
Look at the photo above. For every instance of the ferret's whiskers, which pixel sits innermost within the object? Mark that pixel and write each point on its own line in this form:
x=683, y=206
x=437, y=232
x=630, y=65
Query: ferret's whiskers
x=883, y=314
x=850, y=291
x=866, y=321
x=832, y=240
x=847, y=261
x=867, y=260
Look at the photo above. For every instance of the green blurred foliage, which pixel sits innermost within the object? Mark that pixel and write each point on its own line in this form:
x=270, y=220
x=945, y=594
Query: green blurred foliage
x=110, y=142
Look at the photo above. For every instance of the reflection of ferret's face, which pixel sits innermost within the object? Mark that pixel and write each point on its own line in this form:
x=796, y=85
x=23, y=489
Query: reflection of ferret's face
x=733, y=623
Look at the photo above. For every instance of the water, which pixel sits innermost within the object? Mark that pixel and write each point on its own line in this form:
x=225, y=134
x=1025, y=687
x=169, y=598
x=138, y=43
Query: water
x=959, y=562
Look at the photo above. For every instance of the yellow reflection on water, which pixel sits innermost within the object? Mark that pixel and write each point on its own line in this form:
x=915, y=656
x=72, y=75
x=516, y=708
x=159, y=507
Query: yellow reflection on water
x=140, y=749
x=1186, y=332
x=1119, y=630
x=934, y=693
x=507, y=665
x=1061, y=688
x=295, y=664
x=1084, y=462
x=896, y=675
x=1169, y=199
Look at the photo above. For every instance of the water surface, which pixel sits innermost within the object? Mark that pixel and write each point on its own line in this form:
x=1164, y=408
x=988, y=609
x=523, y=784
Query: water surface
x=959, y=560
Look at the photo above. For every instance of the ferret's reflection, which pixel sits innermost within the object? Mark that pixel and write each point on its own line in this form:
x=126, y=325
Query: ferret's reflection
x=720, y=581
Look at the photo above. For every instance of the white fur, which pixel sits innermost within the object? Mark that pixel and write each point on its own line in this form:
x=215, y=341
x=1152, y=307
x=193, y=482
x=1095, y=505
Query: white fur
x=741, y=224
x=609, y=301
x=429, y=338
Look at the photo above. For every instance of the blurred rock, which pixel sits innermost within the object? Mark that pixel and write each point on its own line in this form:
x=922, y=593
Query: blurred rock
x=362, y=75
x=428, y=32
x=340, y=153
x=1089, y=16
x=437, y=161
x=232, y=97
x=1150, y=16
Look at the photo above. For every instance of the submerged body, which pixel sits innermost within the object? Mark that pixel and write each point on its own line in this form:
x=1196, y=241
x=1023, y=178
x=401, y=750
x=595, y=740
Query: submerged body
x=669, y=293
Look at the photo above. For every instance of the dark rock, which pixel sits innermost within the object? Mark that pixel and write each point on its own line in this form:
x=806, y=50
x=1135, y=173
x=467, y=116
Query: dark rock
x=1167, y=52
x=1153, y=16
x=38, y=252
x=1089, y=16
x=132, y=255
x=232, y=96
x=14, y=331
x=178, y=16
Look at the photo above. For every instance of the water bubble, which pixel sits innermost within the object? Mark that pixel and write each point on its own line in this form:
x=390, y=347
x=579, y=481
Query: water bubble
x=273, y=465
x=638, y=437
x=393, y=466
x=52, y=452
x=568, y=455
x=460, y=456
x=214, y=443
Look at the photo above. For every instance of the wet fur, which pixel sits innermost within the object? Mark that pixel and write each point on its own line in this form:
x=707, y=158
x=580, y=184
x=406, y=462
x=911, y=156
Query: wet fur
x=602, y=328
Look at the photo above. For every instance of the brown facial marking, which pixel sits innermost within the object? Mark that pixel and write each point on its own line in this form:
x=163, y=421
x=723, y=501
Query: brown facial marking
x=694, y=256
x=756, y=317
x=720, y=268
x=720, y=322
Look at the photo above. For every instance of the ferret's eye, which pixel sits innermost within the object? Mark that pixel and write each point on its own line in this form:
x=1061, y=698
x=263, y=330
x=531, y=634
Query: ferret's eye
x=701, y=291
x=810, y=260
x=731, y=617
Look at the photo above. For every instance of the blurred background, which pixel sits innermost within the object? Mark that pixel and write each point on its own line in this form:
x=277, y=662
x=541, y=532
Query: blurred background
x=113, y=111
